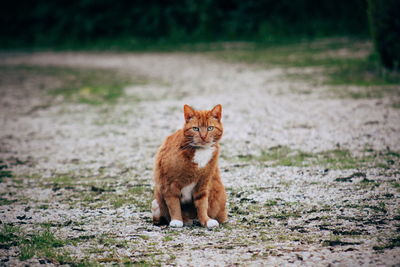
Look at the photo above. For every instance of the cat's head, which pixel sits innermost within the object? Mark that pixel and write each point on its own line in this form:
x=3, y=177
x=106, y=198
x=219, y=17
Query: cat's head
x=202, y=127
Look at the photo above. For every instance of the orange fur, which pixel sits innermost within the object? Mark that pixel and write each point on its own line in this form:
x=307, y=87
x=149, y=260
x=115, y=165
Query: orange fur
x=176, y=167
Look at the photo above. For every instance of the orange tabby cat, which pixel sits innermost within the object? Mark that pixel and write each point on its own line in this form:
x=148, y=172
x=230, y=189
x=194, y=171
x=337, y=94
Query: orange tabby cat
x=187, y=180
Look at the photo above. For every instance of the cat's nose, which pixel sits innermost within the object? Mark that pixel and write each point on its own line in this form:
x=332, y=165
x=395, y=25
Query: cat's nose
x=203, y=135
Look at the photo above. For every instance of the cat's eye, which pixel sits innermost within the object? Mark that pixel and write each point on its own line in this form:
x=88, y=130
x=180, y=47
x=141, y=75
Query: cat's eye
x=210, y=128
x=196, y=129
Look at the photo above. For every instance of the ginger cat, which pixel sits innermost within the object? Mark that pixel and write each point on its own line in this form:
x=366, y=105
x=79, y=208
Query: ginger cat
x=187, y=179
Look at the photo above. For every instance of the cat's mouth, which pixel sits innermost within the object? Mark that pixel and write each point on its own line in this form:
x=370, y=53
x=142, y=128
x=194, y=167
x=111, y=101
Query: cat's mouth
x=202, y=144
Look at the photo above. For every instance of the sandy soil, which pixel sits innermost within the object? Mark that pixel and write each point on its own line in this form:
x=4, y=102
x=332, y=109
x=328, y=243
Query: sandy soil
x=79, y=159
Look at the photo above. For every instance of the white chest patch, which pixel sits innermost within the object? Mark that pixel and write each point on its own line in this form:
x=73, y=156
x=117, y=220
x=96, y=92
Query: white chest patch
x=203, y=155
x=187, y=193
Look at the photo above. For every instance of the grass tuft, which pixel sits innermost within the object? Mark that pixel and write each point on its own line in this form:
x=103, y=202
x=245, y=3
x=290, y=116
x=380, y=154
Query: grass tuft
x=9, y=236
x=393, y=243
x=4, y=172
x=43, y=244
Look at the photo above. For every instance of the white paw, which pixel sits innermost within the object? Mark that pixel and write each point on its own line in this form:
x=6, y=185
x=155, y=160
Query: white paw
x=176, y=223
x=212, y=223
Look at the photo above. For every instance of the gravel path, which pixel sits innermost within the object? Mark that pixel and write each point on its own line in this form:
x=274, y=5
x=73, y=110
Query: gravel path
x=80, y=160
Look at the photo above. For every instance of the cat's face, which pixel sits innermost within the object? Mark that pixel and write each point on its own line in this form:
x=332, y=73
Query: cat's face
x=203, y=127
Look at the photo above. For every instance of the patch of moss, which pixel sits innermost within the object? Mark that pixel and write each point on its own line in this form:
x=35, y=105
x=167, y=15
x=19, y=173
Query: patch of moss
x=110, y=241
x=270, y=203
x=337, y=242
x=393, y=242
x=333, y=159
x=339, y=159
x=138, y=195
x=42, y=244
x=144, y=237
x=63, y=181
x=4, y=201
x=396, y=185
x=43, y=207
x=9, y=236
x=168, y=238
x=284, y=156
x=396, y=105
x=284, y=215
x=4, y=172
x=369, y=183
x=90, y=86
x=279, y=156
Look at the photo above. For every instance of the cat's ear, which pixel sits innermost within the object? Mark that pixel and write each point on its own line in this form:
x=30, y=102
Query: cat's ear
x=216, y=112
x=189, y=112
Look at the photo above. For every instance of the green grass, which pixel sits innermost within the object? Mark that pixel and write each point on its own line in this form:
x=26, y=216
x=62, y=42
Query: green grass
x=362, y=72
x=368, y=183
x=285, y=215
x=333, y=159
x=393, y=242
x=336, y=57
x=4, y=172
x=42, y=244
x=4, y=201
x=96, y=197
x=90, y=86
x=168, y=238
x=138, y=196
x=110, y=241
x=62, y=181
x=8, y=235
x=303, y=54
x=396, y=185
x=340, y=159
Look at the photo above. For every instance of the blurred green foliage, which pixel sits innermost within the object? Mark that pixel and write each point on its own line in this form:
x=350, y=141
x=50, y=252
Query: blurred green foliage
x=384, y=19
x=344, y=61
x=133, y=23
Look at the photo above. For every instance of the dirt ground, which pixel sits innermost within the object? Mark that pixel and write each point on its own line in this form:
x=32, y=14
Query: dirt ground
x=84, y=172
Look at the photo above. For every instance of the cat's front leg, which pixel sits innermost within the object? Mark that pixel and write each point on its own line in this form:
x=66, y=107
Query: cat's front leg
x=174, y=206
x=201, y=203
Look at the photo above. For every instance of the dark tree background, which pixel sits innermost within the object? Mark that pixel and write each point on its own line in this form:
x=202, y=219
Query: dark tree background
x=43, y=22
x=384, y=16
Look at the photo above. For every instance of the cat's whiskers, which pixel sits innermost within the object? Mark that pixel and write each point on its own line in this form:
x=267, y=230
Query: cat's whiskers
x=207, y=145
x=186, y=146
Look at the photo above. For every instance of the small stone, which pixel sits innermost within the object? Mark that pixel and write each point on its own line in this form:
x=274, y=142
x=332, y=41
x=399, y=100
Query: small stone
x=23, y=217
